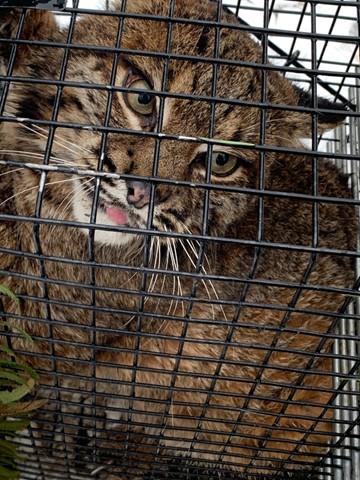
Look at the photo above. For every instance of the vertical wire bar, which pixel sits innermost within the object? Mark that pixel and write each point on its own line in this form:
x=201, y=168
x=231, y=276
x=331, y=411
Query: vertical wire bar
x=298, y=27
x=156, y=160
x=339, y=427
x=315, y=229
x=164, y=88
x=271, y=9
x=11, y=62
x=328, y=468
x=93, y=215
x=354, y=166
x=260, y=228
x=349, y=326
x=337, y=415
x=238, y=5
x=307, y=272
x=345, y=414
x=5, y=85
x=263, y=443
x=205, y=216
x=346, y=421
x=356, y=52
x=350, y=466
x=37, y=214
x=331, y=28
x=212, y=127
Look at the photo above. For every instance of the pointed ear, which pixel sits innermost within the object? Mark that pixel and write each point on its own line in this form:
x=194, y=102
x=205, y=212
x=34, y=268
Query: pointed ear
x=326, y=120
x=38, y=25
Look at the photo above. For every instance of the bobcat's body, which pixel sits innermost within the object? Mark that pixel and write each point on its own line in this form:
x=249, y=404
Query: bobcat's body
x=217, y=381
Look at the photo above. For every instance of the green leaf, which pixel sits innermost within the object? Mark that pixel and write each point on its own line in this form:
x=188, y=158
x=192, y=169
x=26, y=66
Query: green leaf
x=18, y=366
x=17, y=393
x=7, y=448
x=14, y=377
x=6, y=291
x=22, y=333
x=14, y=425
x=21, y=408
x=7, y=474
x=10, y=364
x=6, y=349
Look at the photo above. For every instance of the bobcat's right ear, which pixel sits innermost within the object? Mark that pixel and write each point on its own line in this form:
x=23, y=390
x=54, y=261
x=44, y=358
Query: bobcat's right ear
x=38, y=25
x=326, y=120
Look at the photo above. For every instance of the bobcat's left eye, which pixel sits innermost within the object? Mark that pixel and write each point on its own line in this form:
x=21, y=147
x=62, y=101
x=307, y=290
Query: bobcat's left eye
x=223, y=164
x=142, y=102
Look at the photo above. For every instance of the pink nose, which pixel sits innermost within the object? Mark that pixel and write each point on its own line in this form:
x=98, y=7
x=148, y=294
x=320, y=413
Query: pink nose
x=138, y=193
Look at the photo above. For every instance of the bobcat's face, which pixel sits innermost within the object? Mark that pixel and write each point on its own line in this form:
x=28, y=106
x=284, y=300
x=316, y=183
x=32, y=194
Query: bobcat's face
x=117, y=92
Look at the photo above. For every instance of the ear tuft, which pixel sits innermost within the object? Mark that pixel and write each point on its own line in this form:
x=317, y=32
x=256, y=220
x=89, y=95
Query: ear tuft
x=326, y=120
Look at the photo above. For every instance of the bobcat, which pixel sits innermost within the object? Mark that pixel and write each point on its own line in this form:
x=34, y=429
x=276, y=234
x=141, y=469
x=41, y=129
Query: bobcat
x=178, y=294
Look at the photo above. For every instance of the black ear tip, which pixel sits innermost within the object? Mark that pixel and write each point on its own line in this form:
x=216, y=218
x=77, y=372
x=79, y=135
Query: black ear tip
x=331, y=117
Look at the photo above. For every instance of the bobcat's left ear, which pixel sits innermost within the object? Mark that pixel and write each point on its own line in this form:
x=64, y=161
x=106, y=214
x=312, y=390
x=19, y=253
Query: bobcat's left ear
x=38, y=25
x=326, y=120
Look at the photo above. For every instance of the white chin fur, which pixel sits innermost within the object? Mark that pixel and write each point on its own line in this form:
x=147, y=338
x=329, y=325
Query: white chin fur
x=82, y=210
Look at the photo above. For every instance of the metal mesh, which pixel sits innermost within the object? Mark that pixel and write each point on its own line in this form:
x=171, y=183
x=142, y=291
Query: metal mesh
x=140, y=396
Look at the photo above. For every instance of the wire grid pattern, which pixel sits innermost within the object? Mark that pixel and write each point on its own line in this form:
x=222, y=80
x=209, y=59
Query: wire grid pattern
x=340, y=80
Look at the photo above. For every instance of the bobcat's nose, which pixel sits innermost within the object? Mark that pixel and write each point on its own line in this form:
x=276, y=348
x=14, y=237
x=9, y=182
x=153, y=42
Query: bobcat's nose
x=138, y=193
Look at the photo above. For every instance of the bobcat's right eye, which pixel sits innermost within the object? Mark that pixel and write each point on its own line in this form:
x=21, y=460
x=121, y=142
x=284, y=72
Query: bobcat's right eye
x=142, y=102
x=223, y=164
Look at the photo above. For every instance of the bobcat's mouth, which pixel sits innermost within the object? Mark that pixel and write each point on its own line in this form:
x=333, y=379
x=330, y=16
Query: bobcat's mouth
x=110, y=212
x=118, y=214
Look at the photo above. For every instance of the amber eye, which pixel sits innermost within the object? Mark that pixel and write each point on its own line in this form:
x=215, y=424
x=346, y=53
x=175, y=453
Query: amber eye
x=223, y=164
x=142, y=102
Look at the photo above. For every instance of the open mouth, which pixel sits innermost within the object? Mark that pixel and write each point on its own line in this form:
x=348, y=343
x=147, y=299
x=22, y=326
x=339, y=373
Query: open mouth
x=122, y=216
x=117, y=214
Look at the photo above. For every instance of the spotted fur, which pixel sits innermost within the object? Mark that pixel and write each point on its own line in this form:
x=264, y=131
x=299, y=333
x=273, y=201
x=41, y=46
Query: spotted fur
x=245, y=399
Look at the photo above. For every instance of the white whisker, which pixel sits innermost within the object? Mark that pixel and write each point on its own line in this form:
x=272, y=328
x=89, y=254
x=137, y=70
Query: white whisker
x=36, y=187
x=180, y=291
x=203, y=268
x=74, y=192
x=11, y=171
x=202, y=280
x=172, y=258
x=45, y=136
x=162, y=289
x=78, y=189
x=23, y=153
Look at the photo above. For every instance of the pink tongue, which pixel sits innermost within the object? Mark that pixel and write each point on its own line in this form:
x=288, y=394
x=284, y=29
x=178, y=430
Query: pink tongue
x=117, y=215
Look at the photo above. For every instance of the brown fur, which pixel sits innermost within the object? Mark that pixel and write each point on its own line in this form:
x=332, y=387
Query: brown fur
x=191, y=350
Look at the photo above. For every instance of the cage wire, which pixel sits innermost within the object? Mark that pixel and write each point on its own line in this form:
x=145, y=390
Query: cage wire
x=135, y=408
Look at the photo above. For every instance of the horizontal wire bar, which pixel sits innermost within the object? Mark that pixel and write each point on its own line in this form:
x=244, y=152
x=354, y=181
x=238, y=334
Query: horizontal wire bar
x=165, y=234
x=242, y=363
x=181, y=96
x=208, y=23
x=208, y=276
x=239, y=379
x=189, y=340
x=234, y=454
x=202, y=59
x=162, y=136
x=222, y=407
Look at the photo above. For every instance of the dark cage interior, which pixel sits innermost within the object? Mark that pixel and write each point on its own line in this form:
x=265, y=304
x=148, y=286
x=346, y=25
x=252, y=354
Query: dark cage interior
x=179, y=193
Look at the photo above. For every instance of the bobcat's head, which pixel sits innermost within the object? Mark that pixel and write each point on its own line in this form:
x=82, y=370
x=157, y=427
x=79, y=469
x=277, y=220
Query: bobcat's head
x=144, y=83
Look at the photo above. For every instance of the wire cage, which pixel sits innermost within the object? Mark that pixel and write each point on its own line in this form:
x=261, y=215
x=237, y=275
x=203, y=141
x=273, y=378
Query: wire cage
x=179, y=193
